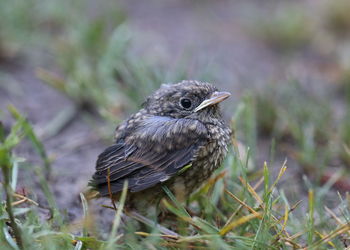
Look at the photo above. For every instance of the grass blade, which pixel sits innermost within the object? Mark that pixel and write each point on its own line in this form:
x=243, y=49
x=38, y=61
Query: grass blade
x=238, y=222
x=113, y=235
x=85, y=214
x=176, y=202
x=37, y=144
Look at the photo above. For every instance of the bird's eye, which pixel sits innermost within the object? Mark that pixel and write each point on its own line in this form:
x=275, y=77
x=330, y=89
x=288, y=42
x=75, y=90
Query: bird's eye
x=186, y=103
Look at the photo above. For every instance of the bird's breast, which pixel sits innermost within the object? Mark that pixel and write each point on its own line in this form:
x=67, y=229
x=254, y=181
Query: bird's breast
x=208, y=157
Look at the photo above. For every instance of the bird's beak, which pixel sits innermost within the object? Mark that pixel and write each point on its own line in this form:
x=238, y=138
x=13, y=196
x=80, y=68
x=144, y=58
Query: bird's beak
x=215, y=98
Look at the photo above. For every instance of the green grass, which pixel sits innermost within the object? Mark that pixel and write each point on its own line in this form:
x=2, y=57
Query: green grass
x=229, y=211
x=243, y=206
x=286, y=29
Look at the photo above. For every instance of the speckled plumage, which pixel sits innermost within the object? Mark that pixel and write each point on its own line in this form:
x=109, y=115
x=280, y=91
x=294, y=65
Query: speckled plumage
x=166, y=143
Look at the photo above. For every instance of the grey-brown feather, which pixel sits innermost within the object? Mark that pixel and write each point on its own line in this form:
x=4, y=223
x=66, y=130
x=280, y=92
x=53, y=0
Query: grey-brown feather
x=156, y=143
x=146, y=156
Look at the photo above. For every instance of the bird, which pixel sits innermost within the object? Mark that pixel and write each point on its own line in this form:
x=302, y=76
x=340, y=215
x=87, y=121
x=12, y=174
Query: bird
x=177, y=139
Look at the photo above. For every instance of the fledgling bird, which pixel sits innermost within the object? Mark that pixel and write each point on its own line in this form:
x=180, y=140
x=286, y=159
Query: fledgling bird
x=177, y=139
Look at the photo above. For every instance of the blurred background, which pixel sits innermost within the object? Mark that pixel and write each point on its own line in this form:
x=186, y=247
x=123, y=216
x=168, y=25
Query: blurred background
x=75, y=69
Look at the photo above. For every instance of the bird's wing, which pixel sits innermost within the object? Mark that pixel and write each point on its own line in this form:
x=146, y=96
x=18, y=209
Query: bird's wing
x=152, y=153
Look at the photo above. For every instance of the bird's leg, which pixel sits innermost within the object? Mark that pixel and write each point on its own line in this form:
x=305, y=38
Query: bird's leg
x=161, y=211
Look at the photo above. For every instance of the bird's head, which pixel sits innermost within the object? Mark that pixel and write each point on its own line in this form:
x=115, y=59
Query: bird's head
x=187, y=99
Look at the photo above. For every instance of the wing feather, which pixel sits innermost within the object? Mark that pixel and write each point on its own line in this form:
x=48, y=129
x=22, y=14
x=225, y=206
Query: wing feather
x=137, y=157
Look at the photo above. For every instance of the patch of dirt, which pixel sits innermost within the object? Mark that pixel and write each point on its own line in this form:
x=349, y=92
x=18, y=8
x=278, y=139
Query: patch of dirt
x=73, y=151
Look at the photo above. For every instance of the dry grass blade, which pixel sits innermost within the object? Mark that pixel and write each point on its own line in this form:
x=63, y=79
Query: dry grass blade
x=240, y=206
x=23, y=199
x=212, y=181
x=280, y=174
x=205, y=188
x=51, y=78
x=197, y=238
x=297, y=235
x=330, y=236
x=323, y=236
x=106, y=206
x=238, y=222
x=167, y=236
x=295, y=206
x=287, y=212
x=335, y=217
x=136, y=216
x=292, y=244
x=241, y=202
x=285, y=219
x=150, y=223
x=110, y=189
x=16, y=203
x=252, y=191
x=175, y=245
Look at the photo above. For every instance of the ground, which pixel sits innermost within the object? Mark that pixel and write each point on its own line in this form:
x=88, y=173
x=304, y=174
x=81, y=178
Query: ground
x=229, y=43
